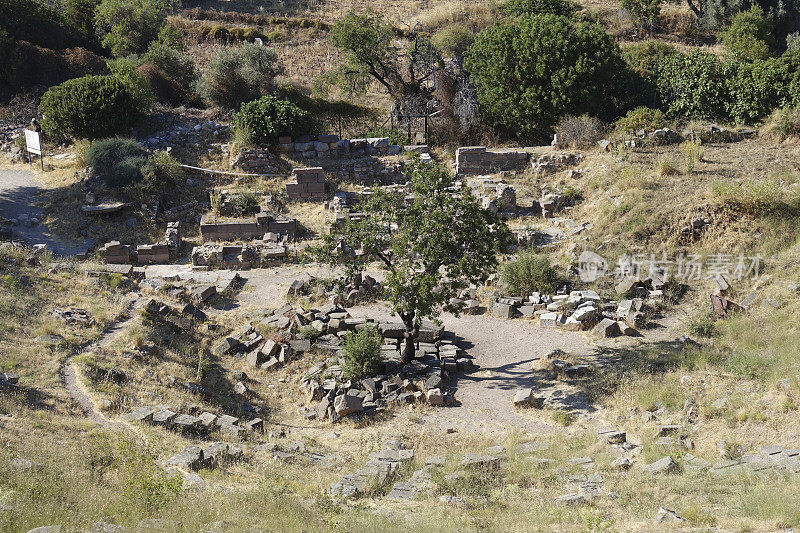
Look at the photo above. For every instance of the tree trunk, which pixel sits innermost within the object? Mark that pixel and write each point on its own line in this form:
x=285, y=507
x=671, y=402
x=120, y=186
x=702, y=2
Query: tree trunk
x=410, y=336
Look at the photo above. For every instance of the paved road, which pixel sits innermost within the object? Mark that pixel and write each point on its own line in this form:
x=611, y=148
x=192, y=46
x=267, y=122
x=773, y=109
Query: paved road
x=19, y=192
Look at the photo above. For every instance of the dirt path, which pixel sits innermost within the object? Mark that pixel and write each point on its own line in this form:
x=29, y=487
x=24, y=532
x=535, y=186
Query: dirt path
x=19, y=192
x=503, y=350
x=70, y=373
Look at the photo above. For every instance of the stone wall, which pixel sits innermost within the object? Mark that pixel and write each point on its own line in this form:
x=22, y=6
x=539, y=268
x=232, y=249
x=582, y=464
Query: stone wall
x=479, y=160
x=331, y=146
x=214, y=230
x=308, y=185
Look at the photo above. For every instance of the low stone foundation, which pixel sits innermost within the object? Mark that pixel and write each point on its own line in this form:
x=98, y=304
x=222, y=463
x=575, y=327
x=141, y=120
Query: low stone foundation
x=471, y=160
x=246, y=228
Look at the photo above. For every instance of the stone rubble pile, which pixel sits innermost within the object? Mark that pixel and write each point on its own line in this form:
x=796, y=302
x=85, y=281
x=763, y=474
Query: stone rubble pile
x=80, y=317
x=494, y=195
x=554, y=161
x=344, y=291
x=381, y=468
x=585, y=309
x=202, y=424
x=254, y=254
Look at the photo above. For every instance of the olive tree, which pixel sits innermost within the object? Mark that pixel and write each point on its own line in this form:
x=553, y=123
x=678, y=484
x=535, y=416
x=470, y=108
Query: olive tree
x=432, y=243
x=377, y=51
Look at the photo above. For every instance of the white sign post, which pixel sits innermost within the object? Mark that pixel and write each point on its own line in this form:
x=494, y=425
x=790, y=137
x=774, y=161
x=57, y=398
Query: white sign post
x=34, y=144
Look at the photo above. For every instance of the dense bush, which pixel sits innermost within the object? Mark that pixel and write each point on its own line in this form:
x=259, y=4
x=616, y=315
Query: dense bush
x=90, y=107
x=530, y=273
x=641, y=118
x=579, y=132
x=262, y=121
x=25, y=65
x=122, y=162
x=239, y=74
x=644, y=12
x=517, y=8
x=693, y=85
x=175, y=64
x=753, y=89
x=783, y=14
x=117, y=161
x=35, y=22
x=104, y=154
x=79, y=15
x=453, y=39
x=129, y=26
x=164, y=88
x=362, y=353
x=748, y=35
x=531, y=72
x=644, y=57
x=126, y=70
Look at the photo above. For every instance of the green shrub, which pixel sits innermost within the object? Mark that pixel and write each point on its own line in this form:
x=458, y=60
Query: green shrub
x=754, y=89
x=579, y=132
x=239, y=74
x=453, y=39
x=644, y=57
x=79, y=15
x=174, y=63
x=782, y=124
x=126, y=70
x=262, y=121
x=117, y=161
x=127, y=172
x=246, y=204
x=693, y=85
x=103, y=155
x=518, y=8
x=36, y=22
x=641, y=118
x=160, y=172
x=644, y=12
x=525, y=88
x=530, y=273
x=129, y=26
x=748, y=35
x=783, y=15
x=362, y=353
x=703, y=325
x=91, y=107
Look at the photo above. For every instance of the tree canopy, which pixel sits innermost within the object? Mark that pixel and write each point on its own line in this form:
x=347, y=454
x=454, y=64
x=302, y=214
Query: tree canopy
x=374, y=53
x=534, y=70
x=432, y=243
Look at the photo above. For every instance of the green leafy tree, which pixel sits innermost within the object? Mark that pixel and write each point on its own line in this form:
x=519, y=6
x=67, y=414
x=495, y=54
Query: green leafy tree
x=748, y=35
x=644, y=57
x=693, y=85
x=129, y=26
x=432, y=245
x=373, y=53
x=530, y=72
